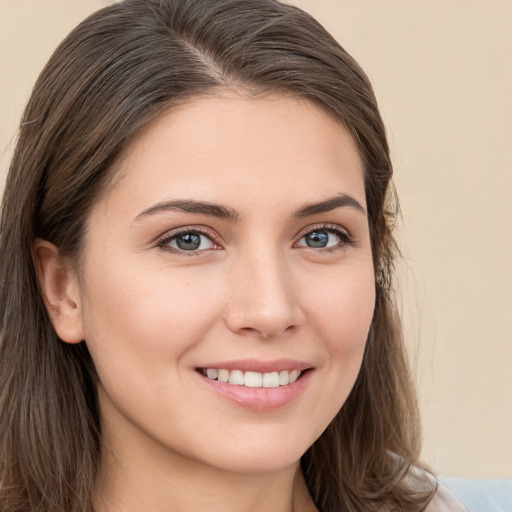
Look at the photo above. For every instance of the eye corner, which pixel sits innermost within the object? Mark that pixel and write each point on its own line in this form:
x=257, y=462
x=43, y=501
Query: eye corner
x=322, y=235
x=192, y=238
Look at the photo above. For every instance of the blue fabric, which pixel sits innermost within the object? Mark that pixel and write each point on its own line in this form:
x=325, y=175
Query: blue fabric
x=481, y=495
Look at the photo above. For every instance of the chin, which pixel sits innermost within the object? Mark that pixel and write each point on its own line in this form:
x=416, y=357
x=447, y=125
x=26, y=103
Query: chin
x=263, y=454
x=259, y=463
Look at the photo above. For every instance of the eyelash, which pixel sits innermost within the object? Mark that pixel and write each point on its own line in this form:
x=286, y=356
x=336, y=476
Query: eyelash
x=166, y=239
x=345, y=239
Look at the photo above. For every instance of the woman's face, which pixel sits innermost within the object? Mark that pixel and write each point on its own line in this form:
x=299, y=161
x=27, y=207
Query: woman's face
x=234, y=246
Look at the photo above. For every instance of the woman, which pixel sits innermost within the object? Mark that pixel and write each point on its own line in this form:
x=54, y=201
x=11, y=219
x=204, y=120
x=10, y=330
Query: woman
x=197, y=258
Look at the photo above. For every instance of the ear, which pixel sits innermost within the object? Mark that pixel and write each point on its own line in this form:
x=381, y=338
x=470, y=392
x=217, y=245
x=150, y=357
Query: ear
x=60, y=290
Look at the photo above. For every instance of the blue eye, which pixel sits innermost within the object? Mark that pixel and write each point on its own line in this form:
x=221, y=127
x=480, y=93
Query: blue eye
x=189, y=240
x=324, y=238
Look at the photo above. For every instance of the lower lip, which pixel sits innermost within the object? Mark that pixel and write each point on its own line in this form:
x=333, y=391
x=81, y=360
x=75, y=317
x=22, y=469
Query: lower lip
x=259, y=399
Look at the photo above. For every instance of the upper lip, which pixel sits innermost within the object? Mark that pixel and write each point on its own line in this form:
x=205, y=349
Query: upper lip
x=255, y=365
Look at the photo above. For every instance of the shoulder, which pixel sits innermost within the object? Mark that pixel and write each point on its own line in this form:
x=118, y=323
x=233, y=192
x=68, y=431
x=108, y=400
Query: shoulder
x=444, y=501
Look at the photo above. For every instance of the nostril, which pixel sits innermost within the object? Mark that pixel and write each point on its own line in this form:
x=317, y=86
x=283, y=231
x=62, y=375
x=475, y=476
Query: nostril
x=267, y=332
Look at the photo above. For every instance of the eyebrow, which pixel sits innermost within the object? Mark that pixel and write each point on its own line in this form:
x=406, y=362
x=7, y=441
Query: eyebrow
x=225, y=212
x=191, y=206
x=328, y=205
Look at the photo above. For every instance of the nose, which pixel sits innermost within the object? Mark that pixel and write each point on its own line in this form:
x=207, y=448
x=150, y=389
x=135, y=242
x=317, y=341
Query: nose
x=263, y=297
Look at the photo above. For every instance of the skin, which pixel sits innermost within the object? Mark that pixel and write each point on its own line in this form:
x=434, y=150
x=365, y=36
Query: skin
x=151, y=313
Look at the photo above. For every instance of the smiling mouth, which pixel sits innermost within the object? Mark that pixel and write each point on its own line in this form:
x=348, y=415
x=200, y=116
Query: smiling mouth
x=252, y=379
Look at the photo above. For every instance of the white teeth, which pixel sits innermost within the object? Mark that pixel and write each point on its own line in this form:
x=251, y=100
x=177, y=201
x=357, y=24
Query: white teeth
x=211, y=373
x=236, y=377
x=223, y=375
x=253, y=379
x=284, y=378
x=271, y=380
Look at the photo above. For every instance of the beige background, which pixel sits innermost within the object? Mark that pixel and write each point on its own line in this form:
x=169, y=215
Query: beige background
x=442, y=71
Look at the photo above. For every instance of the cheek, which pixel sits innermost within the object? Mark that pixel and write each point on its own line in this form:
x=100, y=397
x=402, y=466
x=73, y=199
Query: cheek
x=145, y=319
x=340, y=314
x=343, y=307
x=343, y=312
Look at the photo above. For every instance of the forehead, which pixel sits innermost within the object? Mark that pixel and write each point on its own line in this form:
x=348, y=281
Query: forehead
x=242, y=149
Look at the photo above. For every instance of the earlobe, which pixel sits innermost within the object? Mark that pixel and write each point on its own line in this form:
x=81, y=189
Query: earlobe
x=60, y=291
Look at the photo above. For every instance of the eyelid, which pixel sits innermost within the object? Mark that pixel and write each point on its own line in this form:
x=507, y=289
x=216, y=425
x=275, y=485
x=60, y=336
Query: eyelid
x=324, y=225
x=165, y=238
x=347, y=238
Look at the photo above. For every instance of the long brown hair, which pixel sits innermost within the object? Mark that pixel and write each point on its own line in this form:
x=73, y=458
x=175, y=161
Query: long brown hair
x=118, y=69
